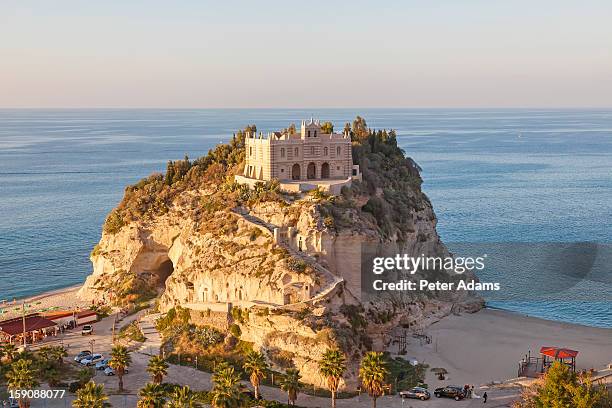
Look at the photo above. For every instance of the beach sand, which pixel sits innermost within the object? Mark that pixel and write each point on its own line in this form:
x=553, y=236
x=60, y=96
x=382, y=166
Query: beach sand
x=487, y=346
x=64, y=299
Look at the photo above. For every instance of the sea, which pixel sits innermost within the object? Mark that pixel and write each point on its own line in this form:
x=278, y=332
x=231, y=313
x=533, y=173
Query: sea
x=531, y=189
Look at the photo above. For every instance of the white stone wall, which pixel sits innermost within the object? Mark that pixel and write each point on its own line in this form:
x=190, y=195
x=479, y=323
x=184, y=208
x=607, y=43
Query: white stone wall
x=309, y=155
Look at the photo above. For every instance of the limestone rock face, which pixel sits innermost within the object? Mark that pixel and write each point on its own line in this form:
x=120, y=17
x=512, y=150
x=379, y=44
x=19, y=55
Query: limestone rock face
x=294, y=265
x=237, y=264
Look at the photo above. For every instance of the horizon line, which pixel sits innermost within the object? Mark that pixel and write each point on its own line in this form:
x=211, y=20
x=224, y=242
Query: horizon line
x=303, y=108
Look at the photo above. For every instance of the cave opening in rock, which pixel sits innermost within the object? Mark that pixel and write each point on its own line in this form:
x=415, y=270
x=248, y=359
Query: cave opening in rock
x=162, y=273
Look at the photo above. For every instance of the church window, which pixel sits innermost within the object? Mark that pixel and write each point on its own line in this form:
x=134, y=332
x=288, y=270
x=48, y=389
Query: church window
x=282, y=152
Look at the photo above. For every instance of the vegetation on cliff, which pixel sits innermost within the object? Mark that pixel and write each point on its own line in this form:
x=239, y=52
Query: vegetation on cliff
x=386, y=198
x=391, y=186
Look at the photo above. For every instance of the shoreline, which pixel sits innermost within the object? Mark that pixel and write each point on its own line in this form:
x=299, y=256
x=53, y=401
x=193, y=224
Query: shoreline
x=52, y=292
x=62, y=298
x=527, y=316
x=43, y=295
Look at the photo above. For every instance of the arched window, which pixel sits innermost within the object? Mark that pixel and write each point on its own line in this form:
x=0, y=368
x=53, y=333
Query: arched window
x=325, y=151
x=282, y=152
x=250, y=151
x=309, y=133
x=297, y=152
x=315, y=134
x=338, y=151
x=312, y=150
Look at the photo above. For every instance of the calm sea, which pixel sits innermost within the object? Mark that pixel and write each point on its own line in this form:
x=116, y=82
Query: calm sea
x=493, y=176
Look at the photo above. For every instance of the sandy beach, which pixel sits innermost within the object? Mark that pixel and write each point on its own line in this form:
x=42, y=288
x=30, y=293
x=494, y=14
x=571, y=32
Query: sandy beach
x=487, y=346
x=64, y=299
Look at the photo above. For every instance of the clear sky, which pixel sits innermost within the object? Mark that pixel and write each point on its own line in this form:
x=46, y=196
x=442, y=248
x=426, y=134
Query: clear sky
x=257, y=53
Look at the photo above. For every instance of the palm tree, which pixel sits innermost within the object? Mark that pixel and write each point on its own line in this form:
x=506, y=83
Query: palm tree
x=22, y=376
x=151, y=396
x=182, y=397
x=332, y=366
x=44, y=353
x=120, y=360
x=10, y=352
x=158, y=368
x=372, y=373
x=58, y=353
x=291, y=384
x=227, y=387
x=91, y=395
x=255, y=365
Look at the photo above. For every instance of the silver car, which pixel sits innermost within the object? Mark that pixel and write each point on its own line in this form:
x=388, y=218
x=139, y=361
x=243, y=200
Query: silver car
x=101, y=365
x=110, y=371
x=90, y=360
x=82, y=355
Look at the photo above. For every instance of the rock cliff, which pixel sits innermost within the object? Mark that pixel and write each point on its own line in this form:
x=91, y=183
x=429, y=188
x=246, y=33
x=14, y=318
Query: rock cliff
x=196, y=239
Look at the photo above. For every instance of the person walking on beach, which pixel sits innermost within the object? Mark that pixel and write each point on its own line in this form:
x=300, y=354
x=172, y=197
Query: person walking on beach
x=484, y=397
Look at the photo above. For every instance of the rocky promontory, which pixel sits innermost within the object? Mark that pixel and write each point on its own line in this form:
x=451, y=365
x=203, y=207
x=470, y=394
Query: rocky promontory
x=284, y=268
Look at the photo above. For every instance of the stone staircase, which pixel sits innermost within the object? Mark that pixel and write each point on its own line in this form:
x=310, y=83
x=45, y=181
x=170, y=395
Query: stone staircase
x=334, y=281
x=152, y=344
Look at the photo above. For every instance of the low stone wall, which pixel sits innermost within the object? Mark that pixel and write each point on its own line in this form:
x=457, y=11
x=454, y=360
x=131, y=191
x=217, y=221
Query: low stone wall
x=247, y=181
x=216, y=315
x=333, y=187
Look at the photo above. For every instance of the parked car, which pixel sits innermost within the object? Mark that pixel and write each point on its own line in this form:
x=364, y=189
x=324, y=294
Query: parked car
x=82, y=355
x=110, y=371
x=87, y=330
x=101, y=365
x=451, y=391
x=90, y=360
x=417, y=393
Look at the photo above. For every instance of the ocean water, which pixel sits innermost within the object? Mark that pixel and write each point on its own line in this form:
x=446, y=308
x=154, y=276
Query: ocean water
x=494, y=176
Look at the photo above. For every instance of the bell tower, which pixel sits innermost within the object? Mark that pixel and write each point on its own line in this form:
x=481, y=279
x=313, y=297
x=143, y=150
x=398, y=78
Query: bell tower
x=311, y=129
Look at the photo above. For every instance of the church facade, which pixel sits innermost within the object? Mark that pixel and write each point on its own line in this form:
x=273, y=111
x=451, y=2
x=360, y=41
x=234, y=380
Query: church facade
x=306, y=155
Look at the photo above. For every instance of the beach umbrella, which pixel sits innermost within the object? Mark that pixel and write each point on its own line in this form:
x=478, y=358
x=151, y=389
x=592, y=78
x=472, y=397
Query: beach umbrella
x=440, y=372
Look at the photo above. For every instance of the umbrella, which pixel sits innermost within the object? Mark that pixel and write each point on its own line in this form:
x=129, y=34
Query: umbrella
x=440, y=372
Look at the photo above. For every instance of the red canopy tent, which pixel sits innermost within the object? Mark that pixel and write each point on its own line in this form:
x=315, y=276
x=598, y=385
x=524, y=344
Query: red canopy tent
x=564, y=355
x=33, y=323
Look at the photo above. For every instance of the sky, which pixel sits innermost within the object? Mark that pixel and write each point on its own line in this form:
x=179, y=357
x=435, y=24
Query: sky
x=289, y=54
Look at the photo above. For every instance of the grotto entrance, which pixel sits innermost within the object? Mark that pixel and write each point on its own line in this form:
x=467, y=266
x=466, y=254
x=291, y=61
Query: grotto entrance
x=162, y=273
